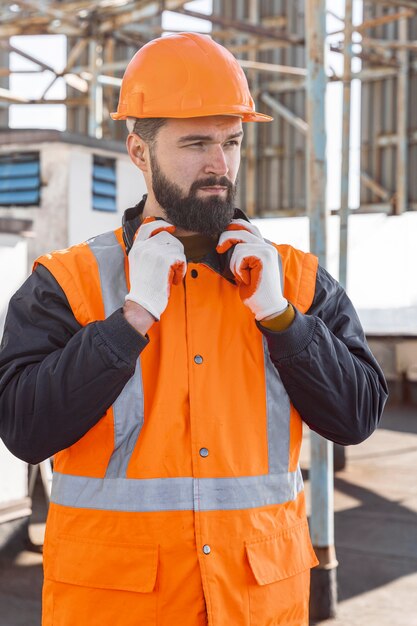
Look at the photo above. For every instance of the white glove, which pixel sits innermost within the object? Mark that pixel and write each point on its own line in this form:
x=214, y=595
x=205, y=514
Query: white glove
x=254, y=264
x=156, y=261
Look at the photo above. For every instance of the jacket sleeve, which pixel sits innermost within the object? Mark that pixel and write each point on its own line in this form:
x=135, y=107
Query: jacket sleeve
x=327, y=368
x=57, y=379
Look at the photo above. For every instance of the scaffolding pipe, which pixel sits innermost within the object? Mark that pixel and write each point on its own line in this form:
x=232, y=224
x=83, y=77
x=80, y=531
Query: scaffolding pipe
x=284, y=112
x=251, y=131
x=401, y=203
x=374, y=186
x=344, y=183
x=323, y=578
x=412, y=4
x=339, y=451
x=95, y=108
x=316, y=138
x=4, y=87
x=244, y=27
x=272, y=67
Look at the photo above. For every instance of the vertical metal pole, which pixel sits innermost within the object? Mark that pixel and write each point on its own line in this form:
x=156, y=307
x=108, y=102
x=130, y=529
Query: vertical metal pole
x=316, y=137
x=323, y=578
x=93, y=89
x=95, y=108
x=344, y=187
x=108, y=57
x=339, y=451
x=250, y=131
x=4, y=82
x=401, y=204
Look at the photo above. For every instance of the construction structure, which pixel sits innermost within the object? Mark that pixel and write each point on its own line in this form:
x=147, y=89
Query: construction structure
x=269, y=39
x=284, y=47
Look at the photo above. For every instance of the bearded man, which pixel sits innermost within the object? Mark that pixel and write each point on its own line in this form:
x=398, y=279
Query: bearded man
x=168, y=367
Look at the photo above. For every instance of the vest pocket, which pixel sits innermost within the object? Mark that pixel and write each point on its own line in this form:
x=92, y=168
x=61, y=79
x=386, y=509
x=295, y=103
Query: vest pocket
x=99, y=583
x=103, y=565
x=280, y=565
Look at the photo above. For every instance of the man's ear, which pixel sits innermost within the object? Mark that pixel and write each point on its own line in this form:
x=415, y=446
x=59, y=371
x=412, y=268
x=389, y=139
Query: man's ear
x=138, y=151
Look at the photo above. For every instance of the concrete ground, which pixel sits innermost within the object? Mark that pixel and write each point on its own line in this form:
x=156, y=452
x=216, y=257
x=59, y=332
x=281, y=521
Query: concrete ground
x=21, y=567
x=375, y=527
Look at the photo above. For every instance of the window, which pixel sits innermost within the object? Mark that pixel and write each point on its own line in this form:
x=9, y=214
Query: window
x=104, y=184
x=20, y=179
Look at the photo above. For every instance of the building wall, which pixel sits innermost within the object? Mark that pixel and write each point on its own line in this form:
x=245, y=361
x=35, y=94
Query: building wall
x=83, y=221
x=50, y=230
x=49, y=223
x=65, y=215
x=13, y=262
x=13, y=478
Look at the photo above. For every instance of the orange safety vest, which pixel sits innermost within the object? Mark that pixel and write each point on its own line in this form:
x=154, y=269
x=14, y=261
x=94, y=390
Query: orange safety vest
x=184, y=503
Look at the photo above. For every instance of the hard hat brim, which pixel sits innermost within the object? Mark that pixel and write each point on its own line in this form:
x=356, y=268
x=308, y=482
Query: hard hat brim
x=253, y=116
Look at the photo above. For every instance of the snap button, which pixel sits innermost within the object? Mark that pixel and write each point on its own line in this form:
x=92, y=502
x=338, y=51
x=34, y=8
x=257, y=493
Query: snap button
x=198, y=359
x=204, y=452
x=194, y=273
x=206, y=549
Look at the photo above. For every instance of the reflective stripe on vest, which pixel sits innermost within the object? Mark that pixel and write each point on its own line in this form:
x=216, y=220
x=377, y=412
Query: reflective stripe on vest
x=128, y=407
x=116, y=492
x=278, y=415
x=175, y=494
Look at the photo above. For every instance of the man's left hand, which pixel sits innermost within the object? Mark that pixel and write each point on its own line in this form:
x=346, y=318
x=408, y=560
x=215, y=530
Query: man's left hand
x=254, y=264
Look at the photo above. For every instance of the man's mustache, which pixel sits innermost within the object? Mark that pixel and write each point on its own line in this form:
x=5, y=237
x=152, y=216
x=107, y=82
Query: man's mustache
x=212, y=181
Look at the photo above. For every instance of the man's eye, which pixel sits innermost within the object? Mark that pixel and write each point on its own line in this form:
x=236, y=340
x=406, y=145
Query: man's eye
x=232, y=142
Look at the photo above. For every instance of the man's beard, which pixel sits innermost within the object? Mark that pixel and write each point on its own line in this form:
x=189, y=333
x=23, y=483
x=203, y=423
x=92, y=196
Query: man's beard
x=208, y=216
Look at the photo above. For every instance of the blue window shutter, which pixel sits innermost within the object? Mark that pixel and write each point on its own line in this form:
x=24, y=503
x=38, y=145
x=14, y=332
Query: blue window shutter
x=104, y=189
x=105, y=173
x=20, y=179
x=19, y=198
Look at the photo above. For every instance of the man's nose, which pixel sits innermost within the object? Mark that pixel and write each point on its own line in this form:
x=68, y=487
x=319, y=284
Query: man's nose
x=217, y=163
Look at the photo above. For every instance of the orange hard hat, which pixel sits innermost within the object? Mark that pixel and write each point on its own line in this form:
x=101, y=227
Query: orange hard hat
x=185, y=75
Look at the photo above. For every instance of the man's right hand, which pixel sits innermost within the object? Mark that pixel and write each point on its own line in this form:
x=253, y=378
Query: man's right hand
x=156, y=261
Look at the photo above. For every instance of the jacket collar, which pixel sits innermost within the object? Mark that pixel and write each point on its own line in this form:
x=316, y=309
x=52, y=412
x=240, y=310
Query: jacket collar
x=132, y=219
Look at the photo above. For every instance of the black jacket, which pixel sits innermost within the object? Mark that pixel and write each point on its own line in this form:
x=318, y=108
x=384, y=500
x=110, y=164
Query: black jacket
x=57, y=379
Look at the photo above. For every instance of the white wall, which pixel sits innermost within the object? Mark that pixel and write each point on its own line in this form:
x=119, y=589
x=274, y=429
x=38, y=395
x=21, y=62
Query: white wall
x=13, y=263
x=83, y=222
x=13, y=477
x=381, y=264
x=49, y=219
x=13, y=269
x=130, y=185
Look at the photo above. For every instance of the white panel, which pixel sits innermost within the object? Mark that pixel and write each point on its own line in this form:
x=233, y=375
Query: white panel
x=382, y=258
x=83, y=222
x=130, y=185
x=13, y=477
x=13, y=261
x=80, y=215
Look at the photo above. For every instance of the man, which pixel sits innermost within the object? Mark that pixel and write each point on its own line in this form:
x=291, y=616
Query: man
x=177, y=495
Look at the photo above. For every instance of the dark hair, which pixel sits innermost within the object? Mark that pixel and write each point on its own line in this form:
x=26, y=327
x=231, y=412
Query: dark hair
x=148, y=128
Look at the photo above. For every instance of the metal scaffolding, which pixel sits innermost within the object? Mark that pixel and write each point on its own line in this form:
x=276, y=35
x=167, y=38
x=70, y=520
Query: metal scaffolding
x=269, y=39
